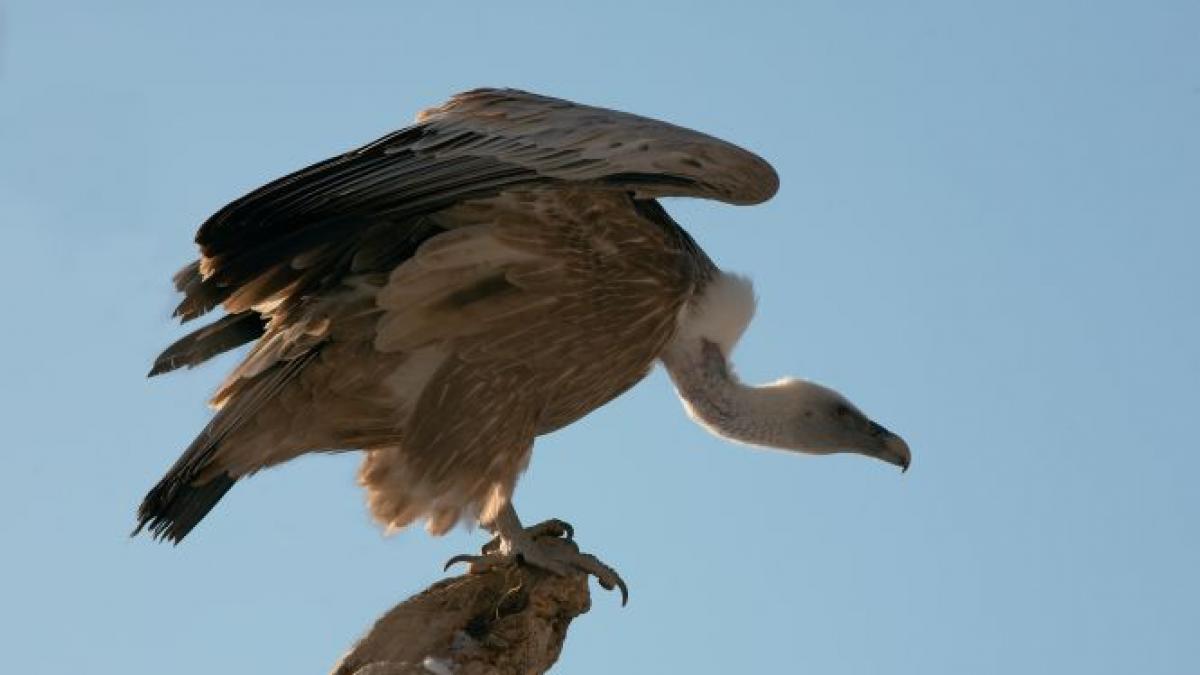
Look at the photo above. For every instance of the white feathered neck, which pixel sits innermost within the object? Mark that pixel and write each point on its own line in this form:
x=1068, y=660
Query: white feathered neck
x=697, y=360
x=720, y=314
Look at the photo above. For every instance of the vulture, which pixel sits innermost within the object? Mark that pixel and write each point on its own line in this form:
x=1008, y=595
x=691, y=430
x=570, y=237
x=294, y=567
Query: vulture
x=444, y=295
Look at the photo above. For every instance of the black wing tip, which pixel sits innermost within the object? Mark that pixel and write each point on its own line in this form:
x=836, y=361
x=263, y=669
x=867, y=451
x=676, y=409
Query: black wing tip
x=172, y=359
x=228, y=332
x=157, y=528
x=193, y=307
x=161, y=366
x=173, y=509
x=169, y=361
x=160, y=530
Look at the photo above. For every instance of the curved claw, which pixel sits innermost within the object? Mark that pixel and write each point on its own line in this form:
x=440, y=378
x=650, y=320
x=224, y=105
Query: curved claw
x=620, y=584
x=461, y=558
x=554, y=527
x=605, y=575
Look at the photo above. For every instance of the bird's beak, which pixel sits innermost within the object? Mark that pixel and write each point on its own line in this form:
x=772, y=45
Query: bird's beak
x=890, y=448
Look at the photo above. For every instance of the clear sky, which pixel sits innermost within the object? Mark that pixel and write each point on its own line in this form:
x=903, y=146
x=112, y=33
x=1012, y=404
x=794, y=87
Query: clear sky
x=986, y=236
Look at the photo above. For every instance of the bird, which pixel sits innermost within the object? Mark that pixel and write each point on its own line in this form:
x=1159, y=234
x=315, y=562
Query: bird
x=441, y=297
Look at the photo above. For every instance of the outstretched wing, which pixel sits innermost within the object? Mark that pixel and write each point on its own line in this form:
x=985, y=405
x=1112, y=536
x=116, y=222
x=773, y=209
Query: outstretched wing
x=309, y=225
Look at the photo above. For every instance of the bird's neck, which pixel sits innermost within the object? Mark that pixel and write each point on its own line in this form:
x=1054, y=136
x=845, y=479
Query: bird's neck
x=698, y=363
x=713, y=395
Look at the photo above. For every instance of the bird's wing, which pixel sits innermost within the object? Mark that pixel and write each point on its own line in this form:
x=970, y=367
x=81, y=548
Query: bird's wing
x=309, y=225
x=572, y=142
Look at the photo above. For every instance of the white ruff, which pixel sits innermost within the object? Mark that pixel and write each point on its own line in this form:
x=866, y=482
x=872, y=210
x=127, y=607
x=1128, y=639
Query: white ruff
x=720, y=315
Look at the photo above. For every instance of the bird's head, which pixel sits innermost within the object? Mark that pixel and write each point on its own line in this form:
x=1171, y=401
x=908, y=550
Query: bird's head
x=821, y=421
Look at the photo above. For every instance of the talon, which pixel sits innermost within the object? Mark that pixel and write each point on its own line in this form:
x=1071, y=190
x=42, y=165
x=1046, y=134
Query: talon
x=558, y=529
x=549, y=546
x=461, y=557
x=615, y=582
x=606, y=576
x=624, y=591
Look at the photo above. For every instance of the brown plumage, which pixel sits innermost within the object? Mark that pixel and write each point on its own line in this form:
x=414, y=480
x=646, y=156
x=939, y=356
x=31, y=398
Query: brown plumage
x=442, y=296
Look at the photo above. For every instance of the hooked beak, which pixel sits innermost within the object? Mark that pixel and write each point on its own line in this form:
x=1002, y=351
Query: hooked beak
x=890, y=448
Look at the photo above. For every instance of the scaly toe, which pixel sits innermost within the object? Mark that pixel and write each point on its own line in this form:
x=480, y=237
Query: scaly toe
x=552, y=528
x=561, y=556
x=545, y=555
x=605, y=575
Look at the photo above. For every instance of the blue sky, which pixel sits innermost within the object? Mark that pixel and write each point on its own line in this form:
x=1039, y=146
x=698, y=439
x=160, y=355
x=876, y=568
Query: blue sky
x=986, y=236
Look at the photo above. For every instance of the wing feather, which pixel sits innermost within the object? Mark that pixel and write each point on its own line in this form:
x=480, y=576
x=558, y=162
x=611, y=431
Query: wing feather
x=574, y=142
x=187, y=492
x=477, y=144
x=220, y=336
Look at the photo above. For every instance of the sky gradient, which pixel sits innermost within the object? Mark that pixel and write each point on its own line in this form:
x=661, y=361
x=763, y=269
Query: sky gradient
x=986, y=237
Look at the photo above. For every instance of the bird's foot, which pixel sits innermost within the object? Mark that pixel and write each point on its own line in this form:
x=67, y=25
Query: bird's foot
x=553, y=528
x=547, y=546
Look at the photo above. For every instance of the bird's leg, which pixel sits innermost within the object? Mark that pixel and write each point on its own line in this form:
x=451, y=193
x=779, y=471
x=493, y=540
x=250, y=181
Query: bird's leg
x=548, y=545
x=553, y=528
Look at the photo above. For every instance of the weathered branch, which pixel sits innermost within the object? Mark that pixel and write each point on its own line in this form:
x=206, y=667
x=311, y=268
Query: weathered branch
x=510, y=620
